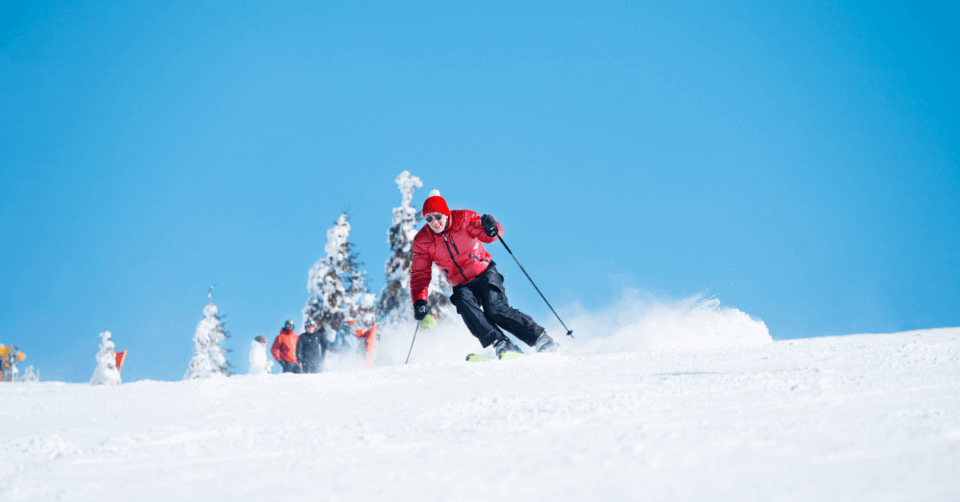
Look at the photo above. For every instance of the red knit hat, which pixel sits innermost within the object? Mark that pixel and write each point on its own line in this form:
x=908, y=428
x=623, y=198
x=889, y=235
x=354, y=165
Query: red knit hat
x=435, y=204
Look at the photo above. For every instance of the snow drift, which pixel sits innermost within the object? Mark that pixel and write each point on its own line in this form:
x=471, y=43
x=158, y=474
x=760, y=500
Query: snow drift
x=642, y=322
x=638, y=322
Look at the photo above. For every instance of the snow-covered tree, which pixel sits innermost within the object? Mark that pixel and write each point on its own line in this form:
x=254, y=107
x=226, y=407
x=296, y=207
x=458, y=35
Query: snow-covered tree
x=338, y=288
x=30, y=374
x=106, y=372
x=395, y=303
x=208, y=354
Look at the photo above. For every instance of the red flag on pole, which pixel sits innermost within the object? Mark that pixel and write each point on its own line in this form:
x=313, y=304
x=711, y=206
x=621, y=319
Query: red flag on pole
x=120, y=357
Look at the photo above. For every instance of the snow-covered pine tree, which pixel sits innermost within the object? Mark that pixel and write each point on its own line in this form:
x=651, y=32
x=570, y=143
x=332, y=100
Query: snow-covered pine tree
x=106, y=372
x=394, y=302
x=338, y=288
x=30, y=374
x=394, y=305
x=208, y=355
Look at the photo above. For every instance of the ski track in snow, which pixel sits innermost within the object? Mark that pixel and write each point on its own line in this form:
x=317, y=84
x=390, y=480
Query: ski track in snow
x=864, y=417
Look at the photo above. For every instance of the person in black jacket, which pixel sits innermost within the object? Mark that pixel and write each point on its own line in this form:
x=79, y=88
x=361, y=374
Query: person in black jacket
x=311, y=348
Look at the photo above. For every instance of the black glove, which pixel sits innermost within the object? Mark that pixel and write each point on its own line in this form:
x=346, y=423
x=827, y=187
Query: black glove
x=420, y=309
x=489, y=225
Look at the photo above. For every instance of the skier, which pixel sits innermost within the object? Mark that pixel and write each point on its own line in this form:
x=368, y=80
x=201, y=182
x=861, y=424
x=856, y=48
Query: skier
x=259, y=365
x=370, y=342
x=284, y=349
x=454, y=241
x=311, y=348
x=9, y=357
x=339, y=343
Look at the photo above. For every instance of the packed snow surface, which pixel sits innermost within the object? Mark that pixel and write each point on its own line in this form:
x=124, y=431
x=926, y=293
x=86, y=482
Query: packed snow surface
x=864, y=417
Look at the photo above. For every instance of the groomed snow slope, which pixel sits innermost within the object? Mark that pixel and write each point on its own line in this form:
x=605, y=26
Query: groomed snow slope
x=866, y=417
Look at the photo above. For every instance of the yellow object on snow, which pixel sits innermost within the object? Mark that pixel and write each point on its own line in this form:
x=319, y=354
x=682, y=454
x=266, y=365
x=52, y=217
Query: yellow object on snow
x=429, y=322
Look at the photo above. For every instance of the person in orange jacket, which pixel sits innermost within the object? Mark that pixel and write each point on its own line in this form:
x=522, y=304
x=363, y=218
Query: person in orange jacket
x=9, y=357
x=284, y=349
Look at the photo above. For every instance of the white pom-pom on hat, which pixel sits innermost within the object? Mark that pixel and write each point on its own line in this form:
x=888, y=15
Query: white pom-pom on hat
x=435, y=204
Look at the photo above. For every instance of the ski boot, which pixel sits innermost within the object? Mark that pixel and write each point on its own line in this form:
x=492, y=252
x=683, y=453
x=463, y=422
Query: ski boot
x=506, y=350
x=546, y=344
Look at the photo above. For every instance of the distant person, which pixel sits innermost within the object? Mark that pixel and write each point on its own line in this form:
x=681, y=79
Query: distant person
x=259, y=364
x=340, y=343
x=9, y=357
x=311, y=348
x=284, y=349
x=454, y=241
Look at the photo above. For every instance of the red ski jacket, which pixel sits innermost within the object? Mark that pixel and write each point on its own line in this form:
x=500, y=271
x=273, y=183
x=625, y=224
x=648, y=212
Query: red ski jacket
x=285, y=347
x=458, y=251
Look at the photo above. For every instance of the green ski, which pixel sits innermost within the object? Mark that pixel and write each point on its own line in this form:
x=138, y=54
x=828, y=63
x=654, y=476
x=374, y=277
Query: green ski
x=504, y=356
x=477, y=358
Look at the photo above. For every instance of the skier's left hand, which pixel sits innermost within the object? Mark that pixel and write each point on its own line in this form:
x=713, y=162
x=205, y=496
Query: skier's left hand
x=420, y=309
x=489, y=225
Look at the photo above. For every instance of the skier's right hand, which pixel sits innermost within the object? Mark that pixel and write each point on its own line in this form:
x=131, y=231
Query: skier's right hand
x=420, y=309
x=489, y=225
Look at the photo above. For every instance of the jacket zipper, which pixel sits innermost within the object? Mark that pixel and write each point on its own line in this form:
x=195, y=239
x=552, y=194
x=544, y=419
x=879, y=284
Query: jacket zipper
x=445, y=241
x=454, y=245
x=478, y=259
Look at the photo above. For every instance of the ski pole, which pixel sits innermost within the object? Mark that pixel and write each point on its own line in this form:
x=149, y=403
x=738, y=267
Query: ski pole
x=411, y=343
x=569, y=331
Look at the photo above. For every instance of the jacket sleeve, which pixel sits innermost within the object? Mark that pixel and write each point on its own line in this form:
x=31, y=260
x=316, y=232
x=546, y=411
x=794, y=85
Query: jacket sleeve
x=421, y=272
x=275, y=348
x=299, y=350
x=474, y=227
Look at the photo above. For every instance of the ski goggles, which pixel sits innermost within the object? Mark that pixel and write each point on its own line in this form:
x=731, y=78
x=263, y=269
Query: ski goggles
x=432, y=217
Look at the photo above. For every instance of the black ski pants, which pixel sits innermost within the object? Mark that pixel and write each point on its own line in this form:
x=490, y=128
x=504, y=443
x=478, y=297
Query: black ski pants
x=289, y=367
x=482, y=303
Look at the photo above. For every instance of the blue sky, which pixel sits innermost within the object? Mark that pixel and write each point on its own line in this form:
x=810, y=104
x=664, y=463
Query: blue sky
x=800, y=162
